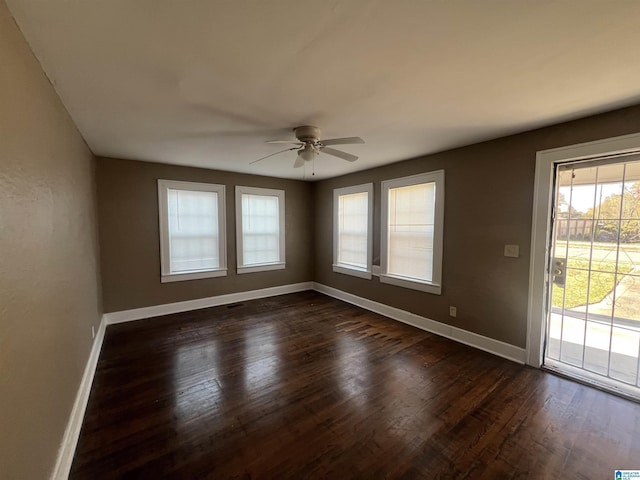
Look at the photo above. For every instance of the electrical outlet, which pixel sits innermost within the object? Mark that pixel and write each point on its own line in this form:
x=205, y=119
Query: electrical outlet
x=93, y=331
x=453, y=311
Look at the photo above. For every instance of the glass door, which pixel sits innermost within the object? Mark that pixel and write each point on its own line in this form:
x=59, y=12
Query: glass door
x=593, y=322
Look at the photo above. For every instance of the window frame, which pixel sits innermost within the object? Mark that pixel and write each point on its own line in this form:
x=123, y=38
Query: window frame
x=435, y=285
x=341, y=267
x=163, y=212
x=271, y=192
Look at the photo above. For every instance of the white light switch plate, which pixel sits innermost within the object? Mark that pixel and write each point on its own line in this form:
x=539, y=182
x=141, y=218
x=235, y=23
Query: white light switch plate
x=512, y=251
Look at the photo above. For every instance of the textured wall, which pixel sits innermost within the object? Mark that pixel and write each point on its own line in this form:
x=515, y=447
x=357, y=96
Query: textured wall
x=489, y=202
x=130, y=240
x=49, y=289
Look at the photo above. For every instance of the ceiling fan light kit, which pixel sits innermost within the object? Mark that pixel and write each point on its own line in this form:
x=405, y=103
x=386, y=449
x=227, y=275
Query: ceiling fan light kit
x=308, y=152
x=309, y=145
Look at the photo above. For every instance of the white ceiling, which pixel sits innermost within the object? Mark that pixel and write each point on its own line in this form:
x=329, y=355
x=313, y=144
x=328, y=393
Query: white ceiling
x=205, y=83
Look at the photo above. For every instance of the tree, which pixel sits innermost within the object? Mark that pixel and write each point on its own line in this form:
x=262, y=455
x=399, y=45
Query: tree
x=611, y=220
x=564, y=211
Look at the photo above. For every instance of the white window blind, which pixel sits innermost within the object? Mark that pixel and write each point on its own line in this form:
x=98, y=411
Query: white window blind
x=352, y=230
x=412, y=231
x=193, y=231
x=353, y=222
x=260, y=229
x=411, y=225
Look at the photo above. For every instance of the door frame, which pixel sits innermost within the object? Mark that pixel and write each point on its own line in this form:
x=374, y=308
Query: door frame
x=546, y=161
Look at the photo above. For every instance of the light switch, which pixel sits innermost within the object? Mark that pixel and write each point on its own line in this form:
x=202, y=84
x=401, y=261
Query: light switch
x=512, y=251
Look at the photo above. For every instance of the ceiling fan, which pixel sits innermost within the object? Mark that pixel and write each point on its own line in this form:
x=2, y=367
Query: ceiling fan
x=309, y=146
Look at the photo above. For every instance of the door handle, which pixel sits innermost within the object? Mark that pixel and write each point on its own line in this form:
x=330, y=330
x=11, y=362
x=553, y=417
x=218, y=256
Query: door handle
x=559, y=271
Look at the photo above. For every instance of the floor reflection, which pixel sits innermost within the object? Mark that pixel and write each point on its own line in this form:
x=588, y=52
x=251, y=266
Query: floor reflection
x=262, y=358
x=408, y=415
x=353, y=370
x=196, y=386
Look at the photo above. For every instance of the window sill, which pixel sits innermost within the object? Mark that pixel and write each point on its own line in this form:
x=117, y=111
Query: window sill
x=352, y=271
x=261, y=268
x=413, y=284
x=180, y=277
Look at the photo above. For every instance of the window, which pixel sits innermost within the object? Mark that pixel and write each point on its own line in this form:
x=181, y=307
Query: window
x=352, y=230
x=412, y=224
x=260, y=229
x=192, y=230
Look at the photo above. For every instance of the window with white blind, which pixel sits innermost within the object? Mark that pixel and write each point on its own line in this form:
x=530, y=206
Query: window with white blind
x=259, y=229
x=192, y=230
x=352, y=230
x=412, y=225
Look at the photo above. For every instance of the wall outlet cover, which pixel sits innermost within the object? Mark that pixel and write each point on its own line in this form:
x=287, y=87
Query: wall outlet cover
x=512, y=251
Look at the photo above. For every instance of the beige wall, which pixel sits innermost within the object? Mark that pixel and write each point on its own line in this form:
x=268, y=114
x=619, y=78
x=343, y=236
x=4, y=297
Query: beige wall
x=49, y=290
x=489, y=195
x=130, y=242
x=489, y=191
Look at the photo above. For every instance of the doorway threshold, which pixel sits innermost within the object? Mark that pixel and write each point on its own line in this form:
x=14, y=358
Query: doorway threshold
x=628, y=392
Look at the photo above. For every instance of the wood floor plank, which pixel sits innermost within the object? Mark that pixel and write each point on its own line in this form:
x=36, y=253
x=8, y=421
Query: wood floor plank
x=306, y=386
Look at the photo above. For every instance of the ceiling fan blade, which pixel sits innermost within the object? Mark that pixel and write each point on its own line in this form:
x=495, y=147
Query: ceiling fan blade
x=339, y=153
x=342, y=141
x=299, y=162
x=272, y=154
x=285, y=141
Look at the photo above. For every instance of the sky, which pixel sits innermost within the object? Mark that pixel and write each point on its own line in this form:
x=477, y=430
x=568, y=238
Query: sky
x=582, y=197
x=584, y=176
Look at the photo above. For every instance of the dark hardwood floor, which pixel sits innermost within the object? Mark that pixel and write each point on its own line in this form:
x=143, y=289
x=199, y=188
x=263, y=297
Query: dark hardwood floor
x=305, y=386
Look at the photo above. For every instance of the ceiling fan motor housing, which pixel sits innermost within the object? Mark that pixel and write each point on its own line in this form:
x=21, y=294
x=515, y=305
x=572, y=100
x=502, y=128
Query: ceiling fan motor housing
x=309, y=145
x=307, y=134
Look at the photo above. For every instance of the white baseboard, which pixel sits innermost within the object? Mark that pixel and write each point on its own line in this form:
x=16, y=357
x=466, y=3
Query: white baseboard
x=72, y=433
x=481, y=342
x=168, y=308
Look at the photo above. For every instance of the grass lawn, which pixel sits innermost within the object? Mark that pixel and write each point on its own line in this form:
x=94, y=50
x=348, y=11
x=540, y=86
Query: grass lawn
x=575, y=291
x=629, y=247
